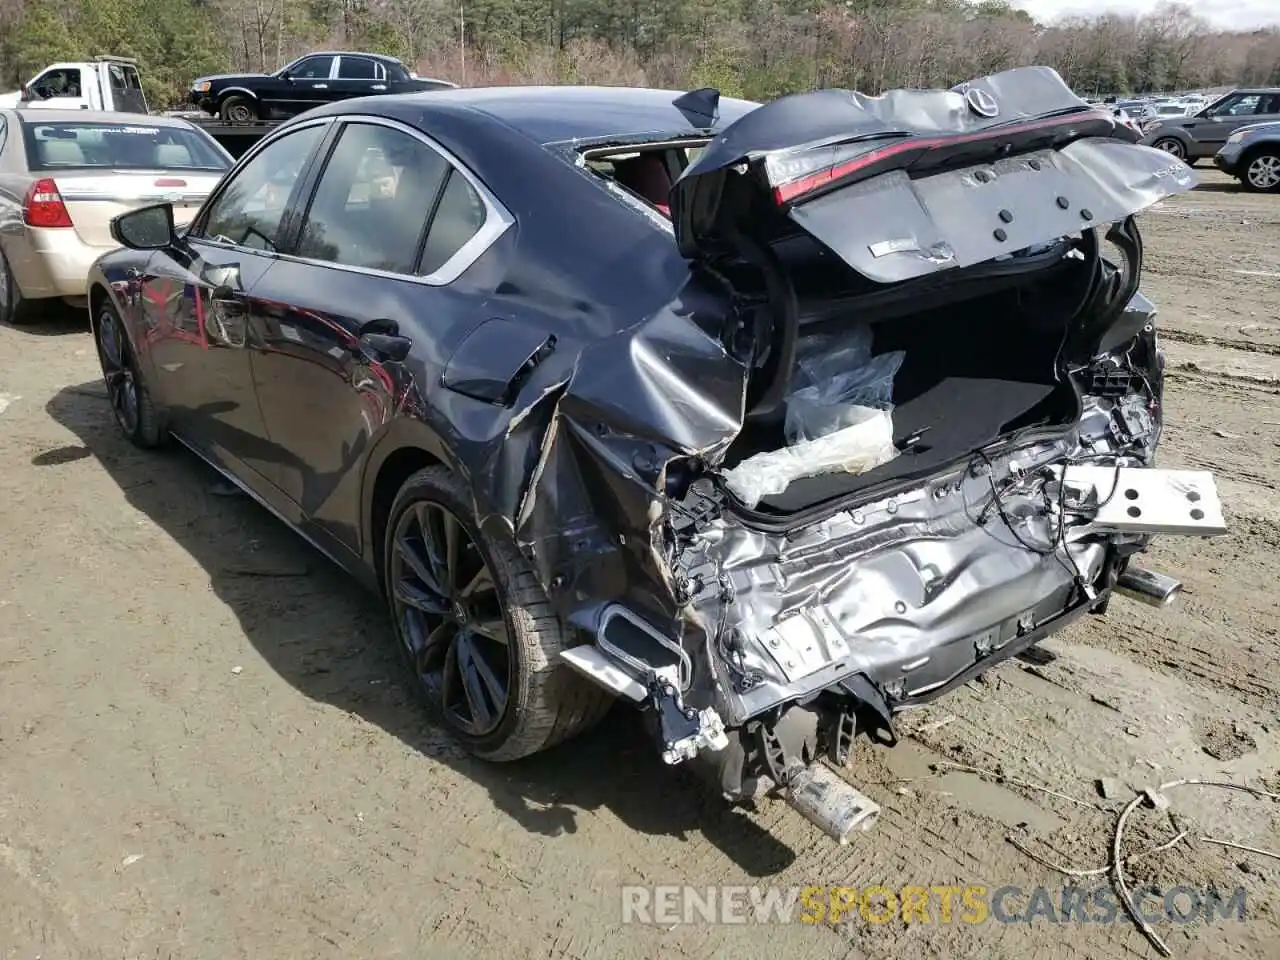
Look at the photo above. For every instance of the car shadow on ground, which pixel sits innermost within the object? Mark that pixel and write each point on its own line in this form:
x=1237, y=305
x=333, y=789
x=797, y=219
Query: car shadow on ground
x=330, y=639
x=1216, y=187
x=53, y=319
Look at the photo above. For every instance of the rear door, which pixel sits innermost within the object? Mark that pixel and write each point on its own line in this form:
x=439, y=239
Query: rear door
x=358, y=77
x=387, y=240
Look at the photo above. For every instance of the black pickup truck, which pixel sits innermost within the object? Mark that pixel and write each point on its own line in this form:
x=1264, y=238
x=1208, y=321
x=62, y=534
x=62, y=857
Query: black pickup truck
x=309, y=81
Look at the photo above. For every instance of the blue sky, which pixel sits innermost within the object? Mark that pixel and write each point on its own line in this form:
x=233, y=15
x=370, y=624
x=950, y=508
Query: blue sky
x=1231, y=14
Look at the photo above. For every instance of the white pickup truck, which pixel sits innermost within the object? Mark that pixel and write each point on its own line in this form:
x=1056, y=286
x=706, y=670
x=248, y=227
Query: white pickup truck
x=105, y=83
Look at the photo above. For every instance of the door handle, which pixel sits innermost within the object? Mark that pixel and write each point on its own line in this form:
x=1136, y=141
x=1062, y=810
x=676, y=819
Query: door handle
x=378, y=86
x=319, y=86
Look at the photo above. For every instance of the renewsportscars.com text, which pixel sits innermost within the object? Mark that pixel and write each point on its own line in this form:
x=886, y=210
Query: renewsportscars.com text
x=971, y=904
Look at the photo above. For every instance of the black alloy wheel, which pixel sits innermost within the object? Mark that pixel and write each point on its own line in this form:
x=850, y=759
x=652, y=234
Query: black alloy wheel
x=479, y=633
x=126, y=392
x=451, y=618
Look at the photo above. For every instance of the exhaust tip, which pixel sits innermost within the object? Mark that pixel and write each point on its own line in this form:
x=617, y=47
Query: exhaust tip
x=1149, y=587
x=831, y=804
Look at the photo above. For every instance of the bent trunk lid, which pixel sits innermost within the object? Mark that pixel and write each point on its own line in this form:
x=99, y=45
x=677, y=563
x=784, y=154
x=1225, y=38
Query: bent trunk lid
x=914, y=182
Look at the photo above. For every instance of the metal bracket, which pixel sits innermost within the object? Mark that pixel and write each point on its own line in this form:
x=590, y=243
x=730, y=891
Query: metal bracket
x=1147, y=500
x=683, y=731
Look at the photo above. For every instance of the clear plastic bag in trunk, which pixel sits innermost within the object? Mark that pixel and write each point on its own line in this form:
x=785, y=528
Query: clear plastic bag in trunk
x=839, y=416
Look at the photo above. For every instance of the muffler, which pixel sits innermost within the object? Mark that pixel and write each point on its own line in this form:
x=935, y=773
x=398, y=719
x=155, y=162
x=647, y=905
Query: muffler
x=829, y=803
x=1146, y=586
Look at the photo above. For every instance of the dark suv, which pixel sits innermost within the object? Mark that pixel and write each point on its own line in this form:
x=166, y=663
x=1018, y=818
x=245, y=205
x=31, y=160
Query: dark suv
x=309, y=81
x=1203, y=134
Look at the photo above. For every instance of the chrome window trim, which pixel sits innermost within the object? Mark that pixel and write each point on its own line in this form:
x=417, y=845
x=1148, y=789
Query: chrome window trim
x=498, y=220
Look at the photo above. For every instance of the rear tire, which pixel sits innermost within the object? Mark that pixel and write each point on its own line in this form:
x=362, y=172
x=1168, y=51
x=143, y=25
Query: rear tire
x=14, y=310
x=127, y=389
x=1261, y=171
x=440, y=629
x=238, y=109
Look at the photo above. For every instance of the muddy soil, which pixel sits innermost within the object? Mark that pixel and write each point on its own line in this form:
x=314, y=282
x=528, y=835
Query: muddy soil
x=208, y=748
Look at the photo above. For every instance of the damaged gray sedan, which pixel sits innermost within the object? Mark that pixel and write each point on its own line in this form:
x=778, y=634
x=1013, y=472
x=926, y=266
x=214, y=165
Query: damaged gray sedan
x=773, y=421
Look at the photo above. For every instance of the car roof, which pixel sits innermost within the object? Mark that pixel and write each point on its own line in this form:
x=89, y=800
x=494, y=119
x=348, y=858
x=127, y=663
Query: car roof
x=553, y=114
x=385, y=58
x=41, y=115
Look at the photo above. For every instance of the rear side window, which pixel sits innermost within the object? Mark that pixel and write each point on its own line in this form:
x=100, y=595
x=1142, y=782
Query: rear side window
x=357, y=68
x=119, y=146
x=458, y=218
x=373, y=200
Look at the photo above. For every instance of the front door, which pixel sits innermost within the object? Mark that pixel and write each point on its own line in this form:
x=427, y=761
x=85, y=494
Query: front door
x=200, y=303
x=370, y=256
x=59, y=88
x=306, y=86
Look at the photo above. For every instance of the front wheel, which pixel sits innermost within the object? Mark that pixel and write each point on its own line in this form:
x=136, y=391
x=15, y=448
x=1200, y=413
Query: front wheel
x=1262, y=172
x=1172, y=146
x=479, y=633
x=127, y=391
x=237, y=109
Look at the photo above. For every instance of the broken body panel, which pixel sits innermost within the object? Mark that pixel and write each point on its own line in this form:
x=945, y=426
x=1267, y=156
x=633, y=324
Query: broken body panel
x=789, y=631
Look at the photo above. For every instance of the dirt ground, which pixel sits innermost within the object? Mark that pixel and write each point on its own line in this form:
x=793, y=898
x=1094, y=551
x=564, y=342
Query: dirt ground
x=208, y=749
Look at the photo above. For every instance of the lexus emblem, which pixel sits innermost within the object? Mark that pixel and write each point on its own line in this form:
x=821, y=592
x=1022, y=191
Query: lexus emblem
x=982, y=103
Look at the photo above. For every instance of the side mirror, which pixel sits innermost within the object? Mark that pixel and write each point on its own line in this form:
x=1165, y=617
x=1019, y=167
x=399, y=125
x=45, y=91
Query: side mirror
x=25, y=95
x=147, y=228
x=285, y=75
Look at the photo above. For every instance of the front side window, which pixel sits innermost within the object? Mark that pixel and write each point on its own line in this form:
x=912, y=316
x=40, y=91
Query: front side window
x=249, y=212
x=63, y=82
x=120, y=146
x=1240, y=106
x=373, y=200
x=313, y=68
x=357, y=68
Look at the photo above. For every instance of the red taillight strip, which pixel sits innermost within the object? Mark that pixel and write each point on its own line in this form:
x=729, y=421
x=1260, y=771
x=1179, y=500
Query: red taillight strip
x=789, y=192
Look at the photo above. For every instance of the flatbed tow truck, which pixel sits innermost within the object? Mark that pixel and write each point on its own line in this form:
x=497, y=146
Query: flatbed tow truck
x=235, y=138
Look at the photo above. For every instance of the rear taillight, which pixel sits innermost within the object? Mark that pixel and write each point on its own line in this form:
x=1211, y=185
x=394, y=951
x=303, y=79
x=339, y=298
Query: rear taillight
x=794, y=176
x=43, y=206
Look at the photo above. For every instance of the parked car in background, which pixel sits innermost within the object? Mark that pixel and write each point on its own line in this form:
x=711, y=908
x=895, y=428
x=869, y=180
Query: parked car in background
x=1128, y=121
x=310, y=81
x=1140, y=110
x=1204, y=133
x=104, y=83
x=1175, y=108
x=1252, y=155
x=592, y=385
x=64, y=174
